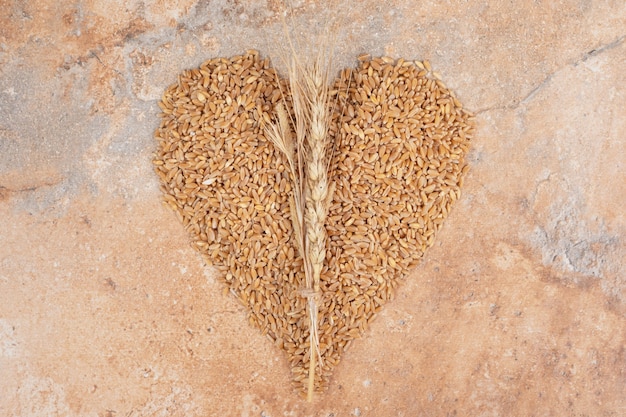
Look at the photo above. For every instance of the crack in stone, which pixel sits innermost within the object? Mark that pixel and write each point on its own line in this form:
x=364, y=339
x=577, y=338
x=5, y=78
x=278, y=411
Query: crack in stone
x=6, y=190
x=601, y=49
x=535, y=90
x=529, y=96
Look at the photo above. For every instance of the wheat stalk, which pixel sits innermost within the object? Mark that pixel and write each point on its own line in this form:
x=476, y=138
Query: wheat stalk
x=308, y=162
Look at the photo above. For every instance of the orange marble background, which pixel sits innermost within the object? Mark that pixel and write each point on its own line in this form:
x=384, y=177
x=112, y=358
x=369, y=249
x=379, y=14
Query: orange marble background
x=518, y=310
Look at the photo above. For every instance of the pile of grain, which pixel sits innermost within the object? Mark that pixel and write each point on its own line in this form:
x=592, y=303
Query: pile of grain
x=400, y=138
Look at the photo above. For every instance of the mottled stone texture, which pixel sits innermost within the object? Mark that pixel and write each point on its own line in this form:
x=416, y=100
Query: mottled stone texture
x=518, y=310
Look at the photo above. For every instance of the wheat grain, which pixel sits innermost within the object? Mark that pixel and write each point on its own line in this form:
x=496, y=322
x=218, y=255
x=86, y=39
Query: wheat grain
x=398, y=166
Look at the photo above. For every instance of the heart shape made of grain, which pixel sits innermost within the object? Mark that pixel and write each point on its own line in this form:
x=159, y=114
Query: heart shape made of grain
x=400, y=139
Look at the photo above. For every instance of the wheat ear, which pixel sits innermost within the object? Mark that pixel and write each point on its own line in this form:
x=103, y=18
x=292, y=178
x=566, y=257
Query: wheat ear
x=317, y=193
x=281, y=136
x=308, y=162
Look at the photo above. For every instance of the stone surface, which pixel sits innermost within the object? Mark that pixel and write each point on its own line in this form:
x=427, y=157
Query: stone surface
x=518, y=309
